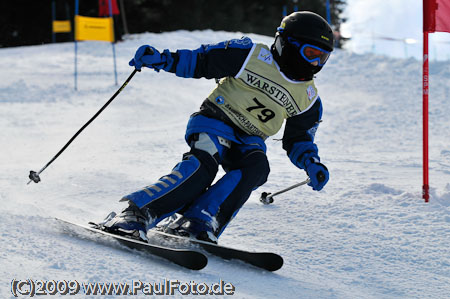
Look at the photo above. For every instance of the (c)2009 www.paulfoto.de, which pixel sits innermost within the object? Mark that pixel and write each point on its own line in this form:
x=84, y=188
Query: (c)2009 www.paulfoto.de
x=31, y=288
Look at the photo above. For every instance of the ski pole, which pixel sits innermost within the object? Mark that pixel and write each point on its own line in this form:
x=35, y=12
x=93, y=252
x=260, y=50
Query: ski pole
x=34, y=176
x=267, y=198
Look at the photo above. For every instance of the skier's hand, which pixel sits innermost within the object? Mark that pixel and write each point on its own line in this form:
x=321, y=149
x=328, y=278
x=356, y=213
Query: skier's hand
x=149, y=57
x=318, y=174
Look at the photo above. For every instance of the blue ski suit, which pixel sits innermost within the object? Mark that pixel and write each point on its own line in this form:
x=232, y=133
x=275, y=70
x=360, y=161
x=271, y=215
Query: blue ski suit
x=214, y=140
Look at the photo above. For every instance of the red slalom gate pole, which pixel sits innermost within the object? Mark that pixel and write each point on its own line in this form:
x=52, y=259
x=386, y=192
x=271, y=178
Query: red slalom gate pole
x=425, y=89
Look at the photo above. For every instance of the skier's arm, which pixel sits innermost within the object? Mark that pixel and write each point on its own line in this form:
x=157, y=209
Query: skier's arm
x=298, y=141
x=208, y=61
x=299, y=132
x=213, y=60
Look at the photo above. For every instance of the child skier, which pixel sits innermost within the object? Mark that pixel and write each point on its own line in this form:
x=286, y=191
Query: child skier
x=260, y=87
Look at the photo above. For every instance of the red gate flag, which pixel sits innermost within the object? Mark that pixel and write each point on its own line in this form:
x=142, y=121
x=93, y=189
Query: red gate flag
x=436, y=15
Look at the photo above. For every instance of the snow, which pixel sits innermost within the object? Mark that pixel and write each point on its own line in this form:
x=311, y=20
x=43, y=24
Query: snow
x=368, y=234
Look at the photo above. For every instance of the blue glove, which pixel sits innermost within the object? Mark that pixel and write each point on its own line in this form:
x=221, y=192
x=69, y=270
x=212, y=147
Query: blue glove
x=150, y=57
x=317, y=172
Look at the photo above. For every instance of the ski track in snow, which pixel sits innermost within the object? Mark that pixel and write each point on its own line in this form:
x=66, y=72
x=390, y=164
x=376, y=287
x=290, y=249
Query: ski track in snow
x=368, y=234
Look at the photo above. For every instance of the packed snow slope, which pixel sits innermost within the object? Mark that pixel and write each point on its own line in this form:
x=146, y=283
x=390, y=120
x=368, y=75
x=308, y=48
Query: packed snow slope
x=368, y=234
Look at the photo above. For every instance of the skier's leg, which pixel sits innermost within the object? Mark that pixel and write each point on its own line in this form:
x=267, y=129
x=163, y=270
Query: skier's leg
x=170, y=193
x=208, y=216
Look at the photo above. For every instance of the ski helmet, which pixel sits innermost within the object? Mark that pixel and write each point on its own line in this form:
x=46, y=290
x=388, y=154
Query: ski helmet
x=296, y=30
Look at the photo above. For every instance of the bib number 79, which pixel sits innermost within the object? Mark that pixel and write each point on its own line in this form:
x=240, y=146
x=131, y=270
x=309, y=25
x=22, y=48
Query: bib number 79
x=265, y=114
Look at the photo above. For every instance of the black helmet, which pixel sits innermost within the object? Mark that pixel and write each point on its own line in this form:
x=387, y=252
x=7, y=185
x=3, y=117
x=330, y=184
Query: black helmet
x=297, y=29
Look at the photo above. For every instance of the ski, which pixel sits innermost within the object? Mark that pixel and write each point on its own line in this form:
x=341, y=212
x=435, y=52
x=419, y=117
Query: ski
x=187, y=258
x=265, y=260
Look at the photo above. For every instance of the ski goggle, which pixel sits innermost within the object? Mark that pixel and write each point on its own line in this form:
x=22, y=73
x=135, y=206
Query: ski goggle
x=310, y=52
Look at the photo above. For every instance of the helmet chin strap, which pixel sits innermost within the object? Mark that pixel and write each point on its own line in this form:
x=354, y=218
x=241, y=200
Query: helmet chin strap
x=278, y=45
x=277, y=49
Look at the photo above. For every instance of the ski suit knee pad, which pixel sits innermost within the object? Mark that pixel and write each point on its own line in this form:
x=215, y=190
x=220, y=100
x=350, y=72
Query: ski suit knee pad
x=214, y=145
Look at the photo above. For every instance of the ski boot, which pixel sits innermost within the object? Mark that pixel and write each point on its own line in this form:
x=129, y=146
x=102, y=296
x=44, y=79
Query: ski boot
x=131, y=222
x=194, y=229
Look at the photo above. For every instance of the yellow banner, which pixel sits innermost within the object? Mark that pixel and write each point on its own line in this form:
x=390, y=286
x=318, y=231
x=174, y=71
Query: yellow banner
x=61, y=26
x=88, y=28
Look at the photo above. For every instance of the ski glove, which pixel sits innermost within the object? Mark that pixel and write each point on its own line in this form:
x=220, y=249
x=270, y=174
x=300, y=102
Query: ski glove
x=149, y=57
x=317, y=172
